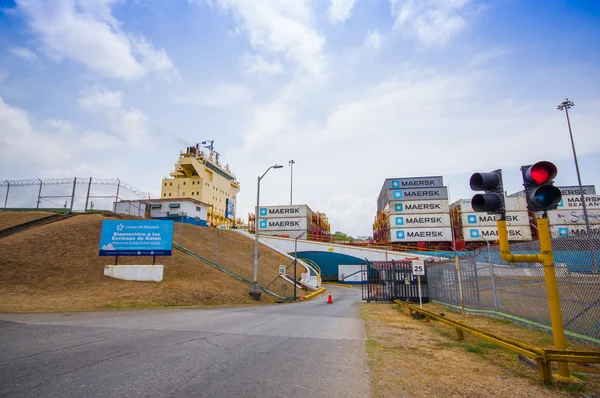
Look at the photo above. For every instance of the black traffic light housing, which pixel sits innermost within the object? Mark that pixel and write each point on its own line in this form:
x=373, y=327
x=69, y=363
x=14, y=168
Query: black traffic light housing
x=492, y=201
x=538, y=180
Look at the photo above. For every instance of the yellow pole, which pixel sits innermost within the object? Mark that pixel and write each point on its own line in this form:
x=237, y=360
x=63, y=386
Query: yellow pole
x=547, y=258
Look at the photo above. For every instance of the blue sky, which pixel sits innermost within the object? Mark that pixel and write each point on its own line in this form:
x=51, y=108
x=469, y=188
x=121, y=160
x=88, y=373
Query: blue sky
x=353, y=91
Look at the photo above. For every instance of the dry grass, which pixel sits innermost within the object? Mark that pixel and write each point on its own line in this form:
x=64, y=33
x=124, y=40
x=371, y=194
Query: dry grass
x=416, y=358
x=56, y=267
x=11, y=218
x=235, y=252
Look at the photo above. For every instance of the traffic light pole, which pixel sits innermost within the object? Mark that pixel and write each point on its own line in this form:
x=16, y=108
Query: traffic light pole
x=546, y=257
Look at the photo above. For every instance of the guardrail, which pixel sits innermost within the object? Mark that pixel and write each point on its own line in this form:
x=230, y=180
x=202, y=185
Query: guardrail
x=543, y=357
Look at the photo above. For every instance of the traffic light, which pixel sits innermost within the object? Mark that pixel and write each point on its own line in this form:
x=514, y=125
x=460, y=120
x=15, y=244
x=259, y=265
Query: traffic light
x=492, y=201
x=537, y=180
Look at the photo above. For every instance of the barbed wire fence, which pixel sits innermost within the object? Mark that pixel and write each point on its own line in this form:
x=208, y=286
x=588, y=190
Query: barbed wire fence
x=76, y=192
x=486, y=282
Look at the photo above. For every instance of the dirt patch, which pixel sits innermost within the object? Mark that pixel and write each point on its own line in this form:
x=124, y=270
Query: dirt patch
x=56, y=267
x=411, y=357
x=11, y=218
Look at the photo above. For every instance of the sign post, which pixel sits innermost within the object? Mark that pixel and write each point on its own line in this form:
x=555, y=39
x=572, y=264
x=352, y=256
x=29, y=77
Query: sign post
x=418, y=268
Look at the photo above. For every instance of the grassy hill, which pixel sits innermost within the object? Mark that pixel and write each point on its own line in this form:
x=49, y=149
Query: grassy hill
x=56, y=267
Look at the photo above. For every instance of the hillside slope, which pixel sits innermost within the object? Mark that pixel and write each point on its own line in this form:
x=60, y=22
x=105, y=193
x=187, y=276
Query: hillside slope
x=56, y=267
x=235, y=253
x=11, y=218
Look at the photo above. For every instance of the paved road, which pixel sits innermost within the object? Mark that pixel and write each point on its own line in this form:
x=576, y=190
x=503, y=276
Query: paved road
x=296, y=350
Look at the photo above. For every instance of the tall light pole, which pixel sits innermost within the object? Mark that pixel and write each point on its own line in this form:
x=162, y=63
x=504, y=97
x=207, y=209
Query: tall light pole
x=291, y=178
x=254, y=290
x=566, y=105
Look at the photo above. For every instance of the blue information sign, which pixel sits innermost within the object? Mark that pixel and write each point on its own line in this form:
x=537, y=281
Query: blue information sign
x=136, y=238
x=229, y=209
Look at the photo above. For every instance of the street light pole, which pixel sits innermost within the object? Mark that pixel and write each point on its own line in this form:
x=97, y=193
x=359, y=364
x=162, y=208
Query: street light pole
x=254, y=290
x=566, y=105
x=291, y=178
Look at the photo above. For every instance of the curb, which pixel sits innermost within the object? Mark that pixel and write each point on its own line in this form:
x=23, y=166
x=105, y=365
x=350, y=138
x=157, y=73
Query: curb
x=339, y=284
x=314, y=294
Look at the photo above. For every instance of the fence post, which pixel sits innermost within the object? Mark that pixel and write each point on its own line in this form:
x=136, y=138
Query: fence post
x=87, y=197
x=73, y=194
x=7, y=189
x=460, y=289
x=39, y=194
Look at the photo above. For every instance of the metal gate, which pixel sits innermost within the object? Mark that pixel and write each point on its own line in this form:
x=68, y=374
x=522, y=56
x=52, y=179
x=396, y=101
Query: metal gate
x=392, y=280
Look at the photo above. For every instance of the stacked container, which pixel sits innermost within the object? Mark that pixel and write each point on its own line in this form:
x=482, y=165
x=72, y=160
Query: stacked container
x=292, y=220
x=478, y=227
x=416, y=209
x=568, y=218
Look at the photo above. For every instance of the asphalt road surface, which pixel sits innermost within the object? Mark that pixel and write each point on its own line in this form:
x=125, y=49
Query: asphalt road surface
x=286, y=350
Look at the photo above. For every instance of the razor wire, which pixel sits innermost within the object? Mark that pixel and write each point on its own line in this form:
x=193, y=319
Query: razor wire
x=520, y=289
x=76, y=180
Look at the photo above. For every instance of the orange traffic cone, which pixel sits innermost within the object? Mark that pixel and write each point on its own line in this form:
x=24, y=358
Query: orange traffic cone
x=301, y=297
x=329, y=299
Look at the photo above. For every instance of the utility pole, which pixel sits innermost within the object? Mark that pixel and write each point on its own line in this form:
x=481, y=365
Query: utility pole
x=291, y=178
x=566, y=105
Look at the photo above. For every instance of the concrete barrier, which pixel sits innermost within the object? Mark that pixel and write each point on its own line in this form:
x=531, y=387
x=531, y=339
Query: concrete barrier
x=135, y=272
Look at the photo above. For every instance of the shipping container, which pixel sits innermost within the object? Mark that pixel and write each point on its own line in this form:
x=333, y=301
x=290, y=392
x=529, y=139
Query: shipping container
x=400, y=235
x=478, y=234
x=511, y=203
x=562, y=231
x=574, y=202
x=573, y=217
x=413, y=182
x=412, y=194
x=489, y=220
x=419, y=207
x=574, y=190
x=283, y=224
x=419, y=220
x=285, y=211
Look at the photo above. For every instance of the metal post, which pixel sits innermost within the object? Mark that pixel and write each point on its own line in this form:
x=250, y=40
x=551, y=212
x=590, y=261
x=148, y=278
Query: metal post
x=118, y=186
x=493, y=277
x=254, y=288
x=552, y=291
x=460, y=289
x=87, y=197
x=39, y=194
x=291, y=179
x=7, y=189
x=73, y=194
x=296, y=260
x=583, y=204
x=180, y=226
x=420, y=297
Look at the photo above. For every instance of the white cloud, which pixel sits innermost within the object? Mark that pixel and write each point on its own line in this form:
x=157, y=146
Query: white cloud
x=218, y=96
x=257, y=65
x=86, y=32
x=281, y=27
x=487, y=56
x=132, y=125
x=97, y=98
x=373, y=40
x=431, y=22
x=340, y=10
x=25, y=53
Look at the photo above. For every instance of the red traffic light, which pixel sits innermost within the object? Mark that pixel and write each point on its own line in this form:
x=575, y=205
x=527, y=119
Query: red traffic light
x=541, y=173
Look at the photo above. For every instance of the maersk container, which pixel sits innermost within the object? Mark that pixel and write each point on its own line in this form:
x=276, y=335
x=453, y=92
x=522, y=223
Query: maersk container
x=285, y=211
x=574, y=202
x=564, y=231
x=412, y=194
x=573, y=217
x=406, y=235
x=419, y=207
x=419, y=220
x=413, y=182
x=489, y=220
x=284, y=224
x=478, y=234
x=511, y=203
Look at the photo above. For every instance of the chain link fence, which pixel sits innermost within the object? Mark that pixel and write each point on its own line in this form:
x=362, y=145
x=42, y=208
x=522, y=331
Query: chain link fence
x=486, y=282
